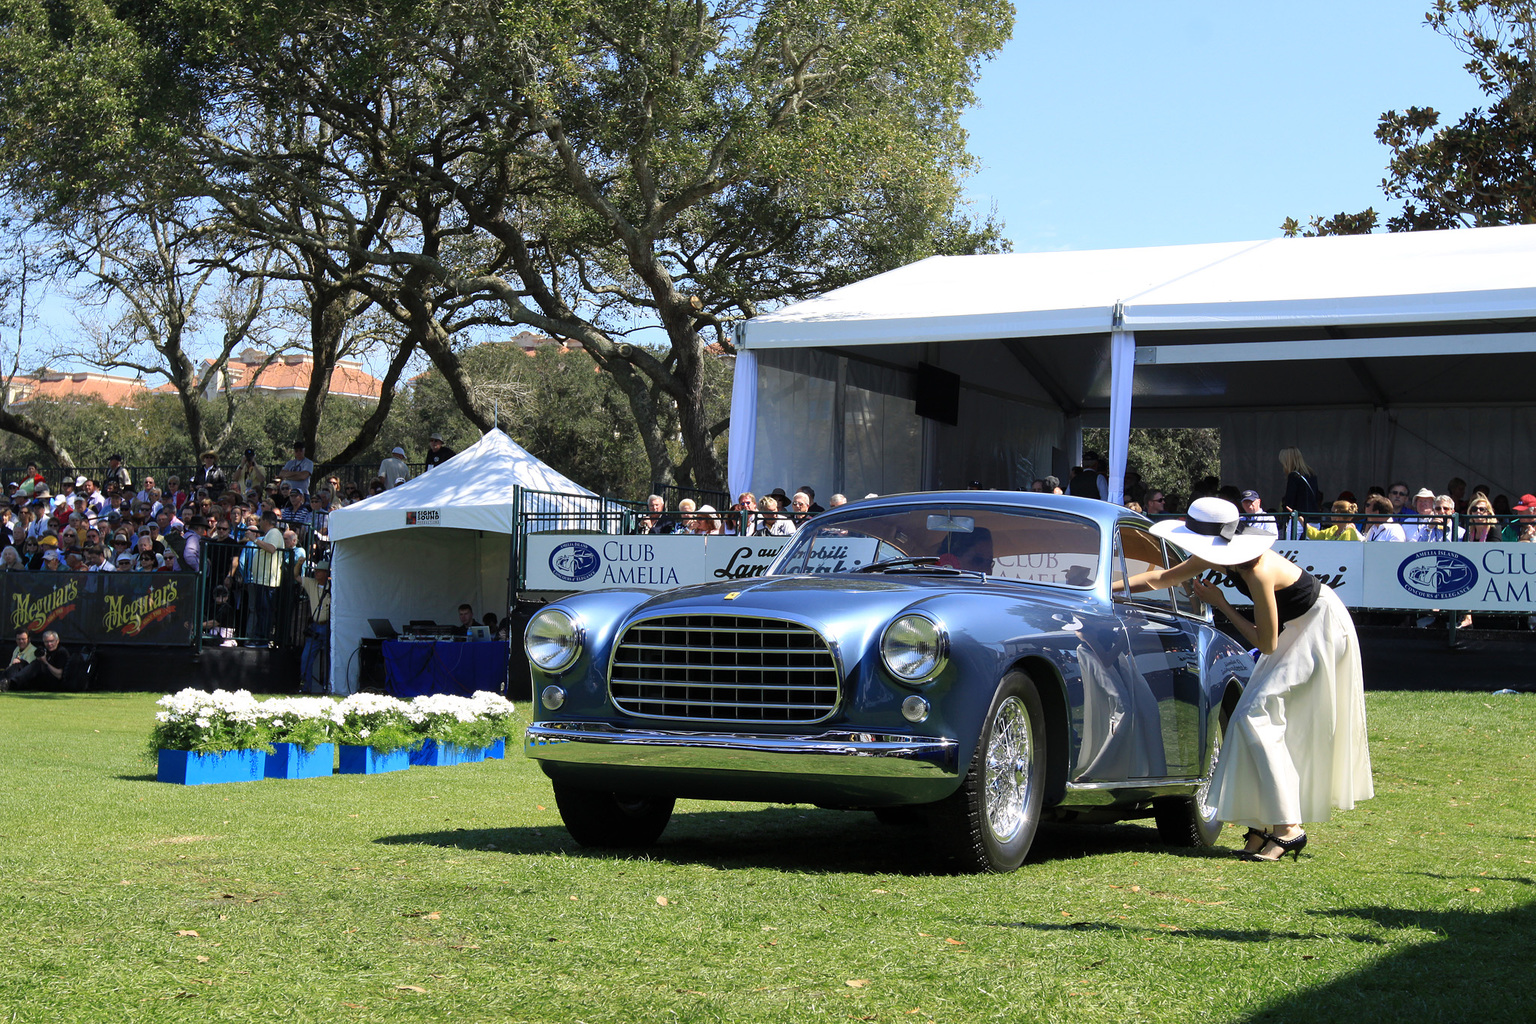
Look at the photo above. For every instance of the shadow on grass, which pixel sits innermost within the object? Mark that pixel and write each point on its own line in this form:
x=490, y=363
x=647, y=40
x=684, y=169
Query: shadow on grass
x=800, y=839
x=1218, y=934
x=1477, y=967
x=1447, y=965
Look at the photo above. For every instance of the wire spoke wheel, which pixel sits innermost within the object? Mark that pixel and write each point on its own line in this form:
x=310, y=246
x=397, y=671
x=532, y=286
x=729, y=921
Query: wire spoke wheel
x=989, y=823
x=1191, y=820
x=1009, y=770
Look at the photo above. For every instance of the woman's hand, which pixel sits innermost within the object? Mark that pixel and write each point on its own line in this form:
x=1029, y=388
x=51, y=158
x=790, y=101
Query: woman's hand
x=1207, y=592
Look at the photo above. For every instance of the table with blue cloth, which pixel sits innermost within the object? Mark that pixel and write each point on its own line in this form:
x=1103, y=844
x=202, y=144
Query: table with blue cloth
x=414, y=667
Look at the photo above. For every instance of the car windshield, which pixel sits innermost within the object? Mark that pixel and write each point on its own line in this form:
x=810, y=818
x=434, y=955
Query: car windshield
x=1022, y=544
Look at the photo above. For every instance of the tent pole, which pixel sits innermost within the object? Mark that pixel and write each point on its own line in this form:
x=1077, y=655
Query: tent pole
x=1122, y=367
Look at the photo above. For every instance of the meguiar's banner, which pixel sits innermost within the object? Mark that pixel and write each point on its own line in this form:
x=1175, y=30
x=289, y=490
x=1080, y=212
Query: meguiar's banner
x=152, y=608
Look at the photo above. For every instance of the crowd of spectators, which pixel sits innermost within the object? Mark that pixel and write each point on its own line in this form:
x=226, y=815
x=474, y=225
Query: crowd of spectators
x=774, y=514
x=254, y=536
x=1304, y=512
x=1397, y=512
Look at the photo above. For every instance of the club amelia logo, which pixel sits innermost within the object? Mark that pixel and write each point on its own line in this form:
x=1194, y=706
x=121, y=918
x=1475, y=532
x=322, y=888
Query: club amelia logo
x=1436, y=574
x=574, y=561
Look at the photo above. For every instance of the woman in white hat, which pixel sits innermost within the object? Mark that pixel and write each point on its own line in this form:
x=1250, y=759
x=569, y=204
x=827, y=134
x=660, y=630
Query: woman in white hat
x=1295, y=746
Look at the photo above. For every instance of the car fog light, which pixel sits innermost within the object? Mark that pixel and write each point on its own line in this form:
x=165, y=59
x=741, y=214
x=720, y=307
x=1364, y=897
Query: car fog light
x=553, y=698
x=913, y=709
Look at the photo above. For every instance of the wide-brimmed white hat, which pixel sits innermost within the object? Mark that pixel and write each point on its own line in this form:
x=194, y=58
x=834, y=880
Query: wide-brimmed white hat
x=1212, y=530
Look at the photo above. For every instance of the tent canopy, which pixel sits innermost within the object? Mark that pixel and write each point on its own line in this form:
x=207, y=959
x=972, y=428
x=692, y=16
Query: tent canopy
x=471, y=491
x=1428, y=276
x=419, y=550
x=1382, y=356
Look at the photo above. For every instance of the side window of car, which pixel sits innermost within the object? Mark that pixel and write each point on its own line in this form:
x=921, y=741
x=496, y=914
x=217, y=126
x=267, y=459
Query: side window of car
x=1142, y=552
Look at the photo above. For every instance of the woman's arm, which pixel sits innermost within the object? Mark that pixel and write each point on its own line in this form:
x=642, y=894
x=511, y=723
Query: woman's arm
x=1261, y=631
x=1162, y=579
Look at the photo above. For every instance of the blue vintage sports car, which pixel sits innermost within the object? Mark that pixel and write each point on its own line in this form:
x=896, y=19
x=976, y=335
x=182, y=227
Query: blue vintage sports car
x=963, y=660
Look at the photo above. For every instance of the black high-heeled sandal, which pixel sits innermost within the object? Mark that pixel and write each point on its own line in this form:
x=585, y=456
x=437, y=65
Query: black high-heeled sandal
x=1264, y=837
x=1292, y=846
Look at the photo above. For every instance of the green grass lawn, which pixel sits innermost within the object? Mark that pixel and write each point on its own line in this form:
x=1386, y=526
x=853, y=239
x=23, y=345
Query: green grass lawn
x=454, y=894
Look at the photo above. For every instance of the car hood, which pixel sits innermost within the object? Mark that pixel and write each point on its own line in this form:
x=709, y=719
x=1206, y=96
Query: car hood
x=833, y=601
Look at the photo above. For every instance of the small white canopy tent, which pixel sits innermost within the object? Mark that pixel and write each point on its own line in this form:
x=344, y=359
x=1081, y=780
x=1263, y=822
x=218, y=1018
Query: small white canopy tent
x=1382, y=356
x=419, y=550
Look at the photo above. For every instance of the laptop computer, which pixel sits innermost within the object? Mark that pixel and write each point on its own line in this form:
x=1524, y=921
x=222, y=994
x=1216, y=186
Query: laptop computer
x=382, y=630
x=479, y=632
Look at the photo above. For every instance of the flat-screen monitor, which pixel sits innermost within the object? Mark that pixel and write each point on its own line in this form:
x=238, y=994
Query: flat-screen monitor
x=938, y=394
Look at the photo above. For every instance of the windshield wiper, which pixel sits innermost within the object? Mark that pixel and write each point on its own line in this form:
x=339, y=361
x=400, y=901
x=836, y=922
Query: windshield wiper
x=921, y=563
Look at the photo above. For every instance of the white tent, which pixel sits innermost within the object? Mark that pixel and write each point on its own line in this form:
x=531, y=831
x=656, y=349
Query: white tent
x=419, y=550
x=1382, y=356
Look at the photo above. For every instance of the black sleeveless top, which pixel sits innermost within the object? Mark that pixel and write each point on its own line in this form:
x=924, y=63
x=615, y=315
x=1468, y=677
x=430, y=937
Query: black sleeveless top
x=1291, y=602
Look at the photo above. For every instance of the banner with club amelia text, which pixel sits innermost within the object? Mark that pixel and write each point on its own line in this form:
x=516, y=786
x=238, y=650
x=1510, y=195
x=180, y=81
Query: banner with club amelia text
x=1452, y=576
x=149, y=608
x=1445, y=576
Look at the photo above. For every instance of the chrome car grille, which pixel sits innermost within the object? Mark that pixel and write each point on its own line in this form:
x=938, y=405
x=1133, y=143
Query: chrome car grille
x=724, y=668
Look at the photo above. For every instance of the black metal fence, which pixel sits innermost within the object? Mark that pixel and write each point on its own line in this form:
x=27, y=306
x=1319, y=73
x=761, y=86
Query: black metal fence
x=718, y=500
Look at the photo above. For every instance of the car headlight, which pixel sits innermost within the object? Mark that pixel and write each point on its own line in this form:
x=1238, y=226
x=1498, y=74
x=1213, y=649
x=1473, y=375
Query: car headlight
x=552, y=640
x=914, y=648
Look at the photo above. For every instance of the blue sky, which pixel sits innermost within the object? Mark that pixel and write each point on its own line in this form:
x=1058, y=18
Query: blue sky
x=1109, y=124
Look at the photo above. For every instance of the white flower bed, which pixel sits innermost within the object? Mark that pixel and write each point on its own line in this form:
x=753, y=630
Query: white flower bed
x=223, y=720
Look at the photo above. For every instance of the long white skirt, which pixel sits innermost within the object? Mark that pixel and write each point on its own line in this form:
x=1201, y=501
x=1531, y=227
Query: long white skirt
x=1296, y=746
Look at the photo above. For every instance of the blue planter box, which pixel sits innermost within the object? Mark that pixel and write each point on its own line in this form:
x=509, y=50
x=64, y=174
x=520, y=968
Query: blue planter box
x=367, y=761
x=435, y=754
x=185, y=768
x=289, y=761
x=497, y=751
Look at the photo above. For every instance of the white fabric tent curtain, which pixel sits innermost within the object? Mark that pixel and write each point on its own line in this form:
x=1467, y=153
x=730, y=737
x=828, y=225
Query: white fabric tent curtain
x=743, y=450
x=1352, y=448
x=411, y=574
x=1122, y=365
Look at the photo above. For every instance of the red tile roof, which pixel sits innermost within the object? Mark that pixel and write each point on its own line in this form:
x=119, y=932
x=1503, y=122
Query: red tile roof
x=55, y=386
x=290, y=375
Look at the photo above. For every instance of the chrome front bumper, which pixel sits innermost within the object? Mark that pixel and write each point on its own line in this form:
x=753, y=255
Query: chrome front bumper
x=840, y=752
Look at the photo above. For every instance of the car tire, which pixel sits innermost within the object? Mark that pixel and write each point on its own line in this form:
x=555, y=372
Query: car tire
x=1190, y=821
x=989, y=823
x=904, y=816
x=616, y=820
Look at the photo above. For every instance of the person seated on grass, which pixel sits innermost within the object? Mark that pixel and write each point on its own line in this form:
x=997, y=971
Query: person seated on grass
x=25, y=653
x=45, y=672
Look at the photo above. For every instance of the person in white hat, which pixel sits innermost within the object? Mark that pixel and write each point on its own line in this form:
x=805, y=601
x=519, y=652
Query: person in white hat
x=393, y=470
x=437, y=452
x=1295, y=744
